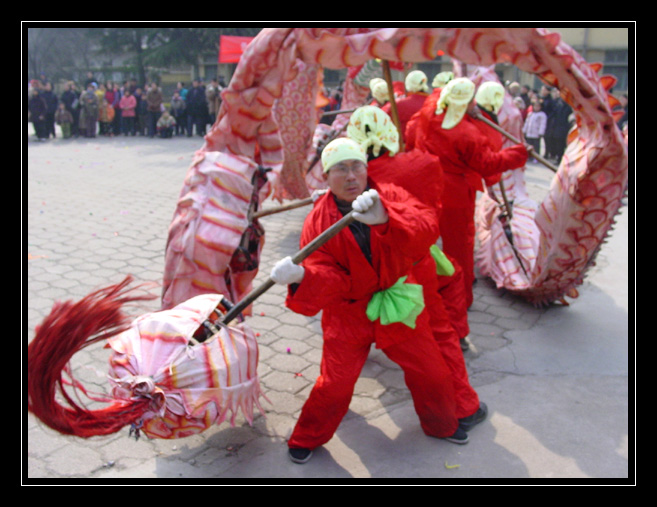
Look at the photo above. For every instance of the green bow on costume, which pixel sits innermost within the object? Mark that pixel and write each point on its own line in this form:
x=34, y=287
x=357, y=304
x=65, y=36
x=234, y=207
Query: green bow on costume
x=443, y=266
x=402, y=302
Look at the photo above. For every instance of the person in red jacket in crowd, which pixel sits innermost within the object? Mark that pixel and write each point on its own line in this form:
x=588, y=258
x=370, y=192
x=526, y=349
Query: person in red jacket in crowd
x=466, y=156
x=421, y=174
x=353, y=278
x=416, y=93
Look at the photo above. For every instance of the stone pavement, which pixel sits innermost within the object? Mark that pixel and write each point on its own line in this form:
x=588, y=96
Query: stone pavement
x=555, y=379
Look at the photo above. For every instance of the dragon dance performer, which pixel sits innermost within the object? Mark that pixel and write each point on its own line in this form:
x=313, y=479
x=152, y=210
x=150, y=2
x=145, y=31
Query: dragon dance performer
x=421, y=174
x=367, y=282
x=416, y=93
x=489, y=99
x=466, y=156
x=438, y=83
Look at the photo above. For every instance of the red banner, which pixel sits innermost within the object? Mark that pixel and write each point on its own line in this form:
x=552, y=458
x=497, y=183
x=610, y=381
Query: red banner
x=231, y=48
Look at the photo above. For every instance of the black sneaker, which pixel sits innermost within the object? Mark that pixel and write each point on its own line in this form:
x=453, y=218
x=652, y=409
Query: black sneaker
x=467, y=423
x=459, y=437
x=299, y=455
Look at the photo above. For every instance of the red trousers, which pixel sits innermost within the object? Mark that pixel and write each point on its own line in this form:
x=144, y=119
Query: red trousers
x=451, y=289
x=342, y=362
x=457, y=227
x=448, y=340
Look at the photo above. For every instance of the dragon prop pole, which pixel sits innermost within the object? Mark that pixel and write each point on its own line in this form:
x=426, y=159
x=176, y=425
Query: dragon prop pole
x=517, y=141
x=296, y=259
x=271, y=211
x=393, y=105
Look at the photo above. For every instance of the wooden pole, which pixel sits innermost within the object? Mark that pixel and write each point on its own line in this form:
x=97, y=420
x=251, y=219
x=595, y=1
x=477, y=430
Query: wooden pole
x=393, y=105
x=285, y=207
x=515, y=140
x=339, y=111
x=296, y=259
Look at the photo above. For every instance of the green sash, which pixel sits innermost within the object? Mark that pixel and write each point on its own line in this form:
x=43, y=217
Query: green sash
x=443, y=266
x=402, y=302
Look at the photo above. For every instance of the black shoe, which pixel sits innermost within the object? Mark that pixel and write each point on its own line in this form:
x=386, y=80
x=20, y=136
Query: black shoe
x=459, y=437
x=299, y=455
x=467, y=423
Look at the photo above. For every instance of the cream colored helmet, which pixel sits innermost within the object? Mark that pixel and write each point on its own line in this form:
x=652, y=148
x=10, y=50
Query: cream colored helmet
x=379, y=89
x=455, y=97
x=342, y=149
x=490, y=96
x=442, y=79
x=416, y=81
x=370, y=126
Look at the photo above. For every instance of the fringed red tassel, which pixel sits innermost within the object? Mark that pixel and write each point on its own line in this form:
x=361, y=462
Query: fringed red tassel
x=67, y=329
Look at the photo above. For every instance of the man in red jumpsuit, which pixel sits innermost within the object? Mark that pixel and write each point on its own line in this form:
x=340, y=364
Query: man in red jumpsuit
x=466, y=156
x=416, y=93
x=382, y=257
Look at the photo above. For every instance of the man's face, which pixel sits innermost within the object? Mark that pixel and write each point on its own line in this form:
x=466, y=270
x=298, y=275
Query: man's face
x=347, y=179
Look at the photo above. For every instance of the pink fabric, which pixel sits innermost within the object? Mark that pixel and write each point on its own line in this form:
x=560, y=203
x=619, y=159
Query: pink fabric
x=192, y=387
x=208, y=223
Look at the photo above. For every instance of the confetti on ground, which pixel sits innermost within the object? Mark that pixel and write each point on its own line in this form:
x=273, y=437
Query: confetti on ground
x=451, y=466
x=288, y=350
x=32, y=257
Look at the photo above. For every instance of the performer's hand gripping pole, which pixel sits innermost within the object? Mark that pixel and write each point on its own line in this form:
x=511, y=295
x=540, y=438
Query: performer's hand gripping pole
x=296, y=259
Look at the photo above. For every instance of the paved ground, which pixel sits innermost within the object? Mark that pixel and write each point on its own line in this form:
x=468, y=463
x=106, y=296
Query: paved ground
x=555, y=379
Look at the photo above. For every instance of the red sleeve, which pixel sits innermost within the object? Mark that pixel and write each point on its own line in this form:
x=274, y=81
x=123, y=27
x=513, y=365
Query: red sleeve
x=412, y=227
x=489, y=163
x=477, y=154
x=324, y=280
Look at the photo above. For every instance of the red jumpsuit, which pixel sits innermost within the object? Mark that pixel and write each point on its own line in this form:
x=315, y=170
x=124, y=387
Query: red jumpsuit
x=407, y=107
x=466, y=156
x=421, y=174
x=340, y=282
x=496, y=141
x=420, y=118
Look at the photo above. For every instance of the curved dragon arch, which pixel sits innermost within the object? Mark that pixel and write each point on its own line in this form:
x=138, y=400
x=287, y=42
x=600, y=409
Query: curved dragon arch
x=268, y=117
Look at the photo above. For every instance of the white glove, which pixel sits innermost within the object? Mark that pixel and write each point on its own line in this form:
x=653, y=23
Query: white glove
x=286, y=272
x=369, y=209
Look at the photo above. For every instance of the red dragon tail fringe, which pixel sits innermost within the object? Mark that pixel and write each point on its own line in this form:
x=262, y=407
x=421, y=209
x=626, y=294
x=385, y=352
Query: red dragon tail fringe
x=70, y=327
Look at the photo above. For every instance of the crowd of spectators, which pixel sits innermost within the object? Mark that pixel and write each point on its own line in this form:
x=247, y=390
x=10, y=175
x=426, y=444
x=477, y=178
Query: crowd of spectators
x=111, y=109
x=548, y=118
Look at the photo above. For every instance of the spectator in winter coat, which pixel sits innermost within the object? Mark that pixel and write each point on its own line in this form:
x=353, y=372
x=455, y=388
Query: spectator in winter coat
x=197, y=109
x=179, y=112
x=165, y=125
x=64, y=119
x=128, y=107
x=154, y=101
x=71, y=98
x=51, y=108
x=89, y=103
x=534, y=127
x=37, y=109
